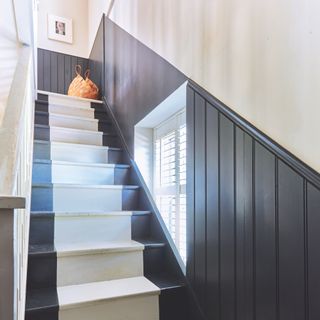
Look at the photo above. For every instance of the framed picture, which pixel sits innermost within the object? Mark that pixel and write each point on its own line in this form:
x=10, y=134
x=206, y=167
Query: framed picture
x=59, y=28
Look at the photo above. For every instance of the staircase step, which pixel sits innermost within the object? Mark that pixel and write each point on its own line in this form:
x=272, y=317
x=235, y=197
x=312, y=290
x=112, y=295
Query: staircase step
x=65, y=99
x=41, y=117
x=45, y=171
x=76, y=152
x=86, y=263
x=42, y=304
x=71, y=110
x=94, y=227
x=132, y=299
x=80, y=136
x=74, y=122
x=42, y=267
x=82, y=198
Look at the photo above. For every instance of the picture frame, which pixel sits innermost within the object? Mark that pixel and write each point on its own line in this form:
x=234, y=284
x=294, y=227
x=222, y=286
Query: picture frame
x=60, y=29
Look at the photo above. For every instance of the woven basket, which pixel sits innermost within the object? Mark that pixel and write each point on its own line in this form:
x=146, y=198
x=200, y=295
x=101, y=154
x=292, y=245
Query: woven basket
x=83, y=88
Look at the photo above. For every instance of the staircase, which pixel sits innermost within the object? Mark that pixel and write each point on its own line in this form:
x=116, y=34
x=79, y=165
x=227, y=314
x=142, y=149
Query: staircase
x=83, y=263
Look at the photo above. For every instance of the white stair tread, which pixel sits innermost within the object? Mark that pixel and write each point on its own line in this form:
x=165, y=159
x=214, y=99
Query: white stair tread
x=82, y=164
x=97, y=247
x=59, y=95
x=89, y=293
x=84, y=186
x=76, y=130
x=79, y=145
x=93, y=214
x=61, y=115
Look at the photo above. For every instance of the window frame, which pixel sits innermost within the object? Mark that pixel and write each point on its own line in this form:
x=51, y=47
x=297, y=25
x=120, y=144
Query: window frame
x=167, y=127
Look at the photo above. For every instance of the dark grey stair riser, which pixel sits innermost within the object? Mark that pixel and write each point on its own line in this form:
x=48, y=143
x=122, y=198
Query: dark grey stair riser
x=41, y=118
x=42, y=133
x=140, y=227
x=115, y=156
x=111, y=141
x=41, y=229
x=172, y=303
x=42, y=271
x=41, y=173
x=41, y=151
x=43, y=314
x=105, y=127
x=41, y=106
x=130, y=199
x=42, y=199
x=121, y=176
x=154, y=260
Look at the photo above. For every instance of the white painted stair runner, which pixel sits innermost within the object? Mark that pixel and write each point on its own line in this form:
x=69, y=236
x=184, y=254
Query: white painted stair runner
x=99, y=267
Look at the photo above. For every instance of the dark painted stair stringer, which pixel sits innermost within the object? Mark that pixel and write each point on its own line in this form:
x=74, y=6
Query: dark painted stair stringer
x=163, y=265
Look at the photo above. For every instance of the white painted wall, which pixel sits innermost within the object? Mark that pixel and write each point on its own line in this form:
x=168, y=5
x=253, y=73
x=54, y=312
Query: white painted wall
x=96, y=8
x=8, y=52
x=77, y=10
x=261, y=58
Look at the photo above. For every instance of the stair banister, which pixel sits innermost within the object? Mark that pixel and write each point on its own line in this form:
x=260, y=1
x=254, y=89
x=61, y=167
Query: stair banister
x=16, y=147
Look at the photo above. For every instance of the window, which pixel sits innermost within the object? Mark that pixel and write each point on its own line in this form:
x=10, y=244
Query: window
x=170, y=177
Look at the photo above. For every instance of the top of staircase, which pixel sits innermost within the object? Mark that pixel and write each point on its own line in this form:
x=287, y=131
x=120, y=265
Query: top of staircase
x=59, y=95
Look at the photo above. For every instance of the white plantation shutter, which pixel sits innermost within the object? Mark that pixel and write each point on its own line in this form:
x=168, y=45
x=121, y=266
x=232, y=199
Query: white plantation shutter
x=170, y=177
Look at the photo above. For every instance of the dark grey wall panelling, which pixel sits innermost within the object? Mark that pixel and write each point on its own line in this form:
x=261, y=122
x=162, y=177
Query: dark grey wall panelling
x=56, y=70
x=253, y=220
x=136, y=78
x=96, y=59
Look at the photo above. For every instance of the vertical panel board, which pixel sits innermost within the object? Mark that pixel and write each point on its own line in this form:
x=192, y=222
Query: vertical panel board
x=265, y=234
x=227, y=222
x=240, y=223
x=190, y=185
x=67, y=72
x=46, y=71
x=291, y=244
x=200, y=199
x=212, y=199
x=54, y=71
x=74, y=63
x=247, y=312
x=40, y=69
x=61, y=71
x=313, y=262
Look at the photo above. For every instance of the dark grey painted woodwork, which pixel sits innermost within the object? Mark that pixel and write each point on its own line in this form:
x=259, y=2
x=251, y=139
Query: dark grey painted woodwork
x=227, y=221
x=56, y=70
x=262, y=219
x=312, y=262
x=96, y=59
x=41, y=228
x=212, y=212
x=200, y=205
x=190, y=185
x=291, y=244
x=264, y=254
x=136, y=78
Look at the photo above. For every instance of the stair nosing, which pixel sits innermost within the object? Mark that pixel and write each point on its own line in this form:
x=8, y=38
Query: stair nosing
x=87, y=249
x=60, y=95
x=62, y=115
x=93, y=132
x=84, y=164
x=77, y=145
x=66, y=214
x=84, y=186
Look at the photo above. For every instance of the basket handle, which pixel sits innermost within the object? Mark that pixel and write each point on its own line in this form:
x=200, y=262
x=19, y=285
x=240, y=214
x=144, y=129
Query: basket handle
x=78, y=69
x=87, y=73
